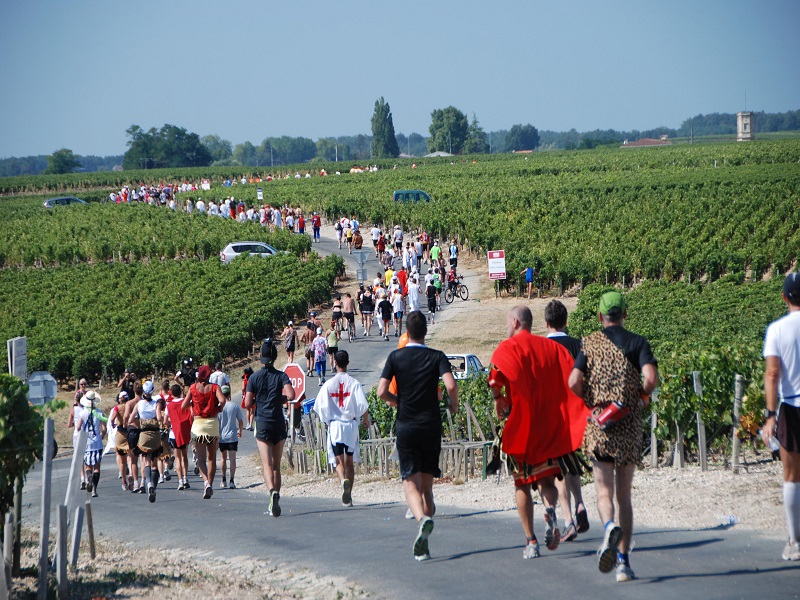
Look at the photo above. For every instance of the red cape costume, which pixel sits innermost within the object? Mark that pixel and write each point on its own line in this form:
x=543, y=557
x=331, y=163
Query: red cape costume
x=547, y=420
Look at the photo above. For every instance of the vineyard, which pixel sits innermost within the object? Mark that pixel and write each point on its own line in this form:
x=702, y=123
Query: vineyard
x=702, y=233
x=122, y=233
x=93, y=320
x=676, y=213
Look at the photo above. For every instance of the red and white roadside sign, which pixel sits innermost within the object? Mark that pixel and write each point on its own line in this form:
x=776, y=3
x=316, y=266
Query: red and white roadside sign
x=497, y=264
x=297, y=377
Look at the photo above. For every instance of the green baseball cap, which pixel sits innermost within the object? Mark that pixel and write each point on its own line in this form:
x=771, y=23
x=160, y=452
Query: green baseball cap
x=611, y=300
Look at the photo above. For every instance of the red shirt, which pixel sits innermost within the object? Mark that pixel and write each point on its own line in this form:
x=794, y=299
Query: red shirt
x=205, y=404
x=547, y=420
x=316, y=221
x=181, y=420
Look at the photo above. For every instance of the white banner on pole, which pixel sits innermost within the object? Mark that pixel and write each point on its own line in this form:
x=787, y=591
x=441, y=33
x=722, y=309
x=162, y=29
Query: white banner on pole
x=18, y=357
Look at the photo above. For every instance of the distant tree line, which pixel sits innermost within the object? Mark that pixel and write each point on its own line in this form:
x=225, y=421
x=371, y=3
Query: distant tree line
x=450, y=131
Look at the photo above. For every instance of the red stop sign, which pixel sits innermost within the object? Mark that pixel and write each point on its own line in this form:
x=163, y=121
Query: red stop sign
x=298, y=379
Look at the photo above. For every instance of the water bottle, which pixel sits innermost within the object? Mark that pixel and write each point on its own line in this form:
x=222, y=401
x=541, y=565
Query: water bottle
x=611, y=414
x=774, y=445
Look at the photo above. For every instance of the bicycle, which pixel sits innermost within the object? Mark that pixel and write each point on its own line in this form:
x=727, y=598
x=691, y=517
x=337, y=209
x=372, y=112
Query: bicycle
x=351, y=330
x=459, y=289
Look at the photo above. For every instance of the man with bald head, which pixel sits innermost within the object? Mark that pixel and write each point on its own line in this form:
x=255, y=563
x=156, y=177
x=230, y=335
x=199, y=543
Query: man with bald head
x=545, y=420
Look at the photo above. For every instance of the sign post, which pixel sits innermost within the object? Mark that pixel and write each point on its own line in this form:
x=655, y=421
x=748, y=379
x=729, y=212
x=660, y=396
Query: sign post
x=18, y=357
x=259, y=194
x=297, y=377
x=497, y=267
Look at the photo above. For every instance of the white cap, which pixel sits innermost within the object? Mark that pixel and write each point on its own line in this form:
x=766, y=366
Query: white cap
x=319, y=330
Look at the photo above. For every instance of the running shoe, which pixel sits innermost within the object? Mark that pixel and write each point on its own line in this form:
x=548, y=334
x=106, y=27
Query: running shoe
x=791, y=551
x=135, y=490
x=167, y=475
x=161, y=478
x=196, y=470
x=142, y=489
x=531, y=551
x=421, y=541
x=347, y=498
x=409, y=514
x=552, y=535
x=83, y=485
x=124, y=486
x=151, y=493
x=88, y=487
x=186, y=485
x=130, y=482
x=232, y=485
x=274, y=504
x=181, y=486
x=208, y=492
x=570, y=533
x=119, y=475
x=94, y=493
x=582, y=519
x=624, y=573
x=607, y=553
x=224, y=483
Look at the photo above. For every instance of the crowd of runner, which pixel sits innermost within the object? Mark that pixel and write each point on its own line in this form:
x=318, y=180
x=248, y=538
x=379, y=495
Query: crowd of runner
x=553, y=394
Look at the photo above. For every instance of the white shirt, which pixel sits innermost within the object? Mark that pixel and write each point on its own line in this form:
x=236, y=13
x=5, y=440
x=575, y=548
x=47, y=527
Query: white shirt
x=376, y=233
x=339, y=404
x=219, y=378
x=783, y=340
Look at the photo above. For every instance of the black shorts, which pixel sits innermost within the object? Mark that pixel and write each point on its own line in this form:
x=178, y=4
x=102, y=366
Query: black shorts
x=454, y=262
x=789, y=427
x=333, y=350
x=424, y=247
x=336, y=316
x=229, y=446
x=270, y=432
x=432, y=305
x=398, y=245
x=339, y=449
x=418, y=450
x=351, y=317
x=375, y=243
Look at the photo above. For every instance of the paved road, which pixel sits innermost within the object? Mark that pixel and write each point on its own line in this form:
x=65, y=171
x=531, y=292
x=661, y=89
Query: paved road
x=475, y=554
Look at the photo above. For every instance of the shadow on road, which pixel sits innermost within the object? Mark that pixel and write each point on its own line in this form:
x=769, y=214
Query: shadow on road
x=754, y=571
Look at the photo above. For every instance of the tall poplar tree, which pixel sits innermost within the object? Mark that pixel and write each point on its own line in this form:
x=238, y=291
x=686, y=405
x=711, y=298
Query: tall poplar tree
x=384, y=142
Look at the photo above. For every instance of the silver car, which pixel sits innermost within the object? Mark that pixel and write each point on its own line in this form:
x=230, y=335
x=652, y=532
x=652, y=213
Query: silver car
x=234, y=249
x=466, y=366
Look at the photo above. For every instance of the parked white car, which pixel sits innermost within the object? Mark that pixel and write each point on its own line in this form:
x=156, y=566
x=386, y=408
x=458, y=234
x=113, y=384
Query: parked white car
x=234, y=249
x=466, y=366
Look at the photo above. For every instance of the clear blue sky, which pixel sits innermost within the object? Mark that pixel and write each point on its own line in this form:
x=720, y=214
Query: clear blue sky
x=78, y=73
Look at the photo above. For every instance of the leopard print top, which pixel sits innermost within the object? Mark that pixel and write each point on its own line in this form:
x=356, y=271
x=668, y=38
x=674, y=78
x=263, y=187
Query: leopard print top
x=610, y=377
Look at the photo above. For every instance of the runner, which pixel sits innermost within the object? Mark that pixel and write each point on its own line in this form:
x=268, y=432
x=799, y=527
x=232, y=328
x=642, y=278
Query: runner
x=545, y=421
x=133, y=441
x=88, y=420
x=320, y=349
x=437, y=283
x=250, y=411
x=385, y=310
x=316, y=223
x=376, y=234
x=339, y=228
x=289, y=336
x=266, y=389
x=419, y=423
x=332, y=337
x=782, y=414
x=206, y=401
x=116, y=419
x=358, y=240
x=339, y=404
x=555, y=317
x=306, y=338
x=430, y=294
x=180, y=434
x=453, y=254
x=434, y=253
x=398, y=308
x=607, y=376
x=72, y=423
x=165, y=459
x=425, y=241
x=231, y=423
x=147, y=416
x=367, y=309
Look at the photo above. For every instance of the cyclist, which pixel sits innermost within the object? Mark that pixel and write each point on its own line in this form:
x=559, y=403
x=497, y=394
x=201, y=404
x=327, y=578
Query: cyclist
x=452, y=280
x=349, y=311
x=337, y=312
